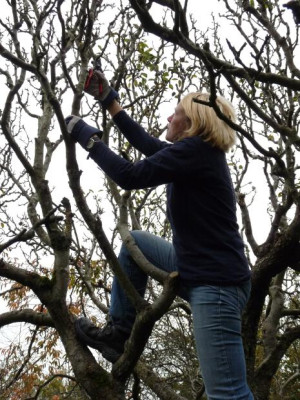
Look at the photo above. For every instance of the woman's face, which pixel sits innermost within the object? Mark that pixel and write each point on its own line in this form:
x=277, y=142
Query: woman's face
x=178, y=123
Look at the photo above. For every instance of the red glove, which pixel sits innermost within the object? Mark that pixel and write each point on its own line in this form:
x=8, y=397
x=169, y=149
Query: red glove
x=88, y=81
x=97, y=85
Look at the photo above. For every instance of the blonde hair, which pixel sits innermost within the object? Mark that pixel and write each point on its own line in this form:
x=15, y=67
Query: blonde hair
x=205, y=122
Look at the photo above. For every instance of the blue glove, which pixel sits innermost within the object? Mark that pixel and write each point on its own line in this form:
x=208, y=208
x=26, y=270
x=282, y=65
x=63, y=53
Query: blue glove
x=97, y=85
x=80, y=131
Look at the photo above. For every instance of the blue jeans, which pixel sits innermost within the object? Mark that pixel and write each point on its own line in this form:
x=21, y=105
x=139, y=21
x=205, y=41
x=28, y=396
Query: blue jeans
x=216, y=314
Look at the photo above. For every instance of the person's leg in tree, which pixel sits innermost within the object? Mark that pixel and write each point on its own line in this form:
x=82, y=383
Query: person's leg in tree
x=110, y=340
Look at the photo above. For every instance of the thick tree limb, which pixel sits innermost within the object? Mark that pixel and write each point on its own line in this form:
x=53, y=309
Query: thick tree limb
x=28, y=316
x=40, y=285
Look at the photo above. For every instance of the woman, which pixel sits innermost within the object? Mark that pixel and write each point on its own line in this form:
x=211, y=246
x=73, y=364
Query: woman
x=207, y=249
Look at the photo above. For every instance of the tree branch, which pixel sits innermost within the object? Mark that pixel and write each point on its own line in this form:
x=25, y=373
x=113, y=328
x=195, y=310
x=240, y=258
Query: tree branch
x=143, y=326
x=40, y=285
x=271, y=363
x=28, y=316
x=158, y=384
x=193, y=48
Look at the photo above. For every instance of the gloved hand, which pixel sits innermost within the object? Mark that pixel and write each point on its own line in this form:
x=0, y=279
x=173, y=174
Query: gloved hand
x=80, y=131
x=97, y=85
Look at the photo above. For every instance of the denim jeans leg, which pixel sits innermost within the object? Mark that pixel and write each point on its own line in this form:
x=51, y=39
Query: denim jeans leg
x=159, y=252
x=217, y=328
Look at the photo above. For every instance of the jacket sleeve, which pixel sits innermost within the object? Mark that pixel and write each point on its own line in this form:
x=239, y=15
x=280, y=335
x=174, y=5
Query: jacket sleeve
x=172, y=163
x=137, y=136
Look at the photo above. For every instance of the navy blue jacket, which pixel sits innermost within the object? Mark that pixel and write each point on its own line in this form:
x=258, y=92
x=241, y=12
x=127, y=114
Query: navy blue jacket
x=201, y=205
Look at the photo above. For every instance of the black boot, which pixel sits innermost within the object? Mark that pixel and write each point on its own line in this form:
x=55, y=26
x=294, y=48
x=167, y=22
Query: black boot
x=109, y=340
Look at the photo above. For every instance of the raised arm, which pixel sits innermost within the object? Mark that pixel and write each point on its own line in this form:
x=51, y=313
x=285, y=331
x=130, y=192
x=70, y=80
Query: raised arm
x=179, y=161
x=98, y=86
